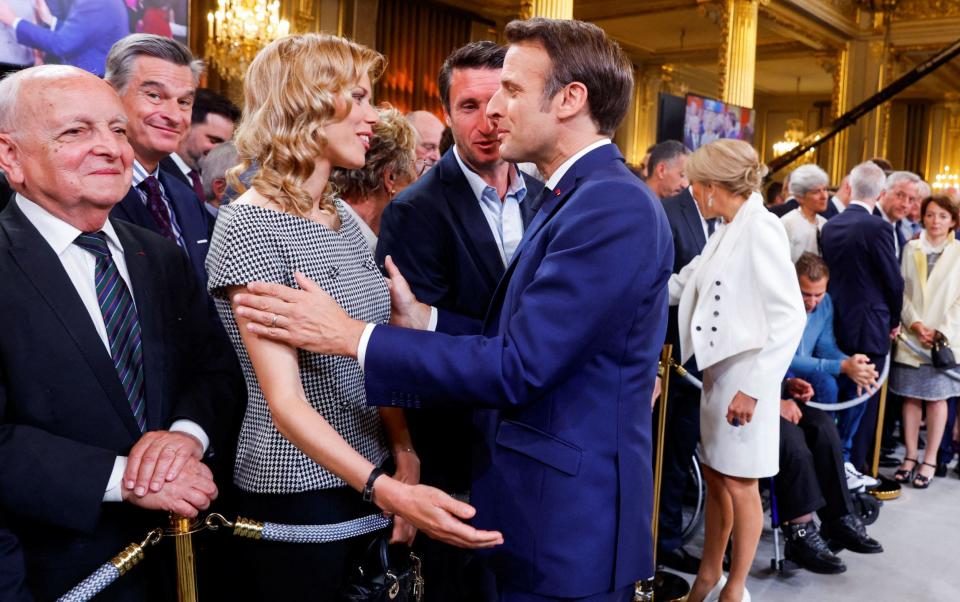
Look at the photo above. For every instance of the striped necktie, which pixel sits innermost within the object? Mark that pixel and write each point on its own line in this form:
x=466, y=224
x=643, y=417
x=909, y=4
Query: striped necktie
x=157, y=208
x=120, y=319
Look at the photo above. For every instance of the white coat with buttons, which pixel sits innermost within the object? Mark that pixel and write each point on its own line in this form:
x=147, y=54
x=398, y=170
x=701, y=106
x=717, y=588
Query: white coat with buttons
x=741, y=315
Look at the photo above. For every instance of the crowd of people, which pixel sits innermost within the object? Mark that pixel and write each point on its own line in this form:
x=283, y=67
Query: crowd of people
x=316, y=310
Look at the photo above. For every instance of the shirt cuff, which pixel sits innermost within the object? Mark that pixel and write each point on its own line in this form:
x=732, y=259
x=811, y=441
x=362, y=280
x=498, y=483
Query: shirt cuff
x=191, y=428
x=16, y=22
x=432, y=323
x=114, y=492
x=362, y=347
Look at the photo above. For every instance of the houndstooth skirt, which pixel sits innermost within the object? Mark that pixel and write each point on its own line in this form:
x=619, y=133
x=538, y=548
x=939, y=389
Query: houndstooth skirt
x=926, y=382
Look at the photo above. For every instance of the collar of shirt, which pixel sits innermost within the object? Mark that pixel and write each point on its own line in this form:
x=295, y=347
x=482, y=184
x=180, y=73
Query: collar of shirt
x=58, y=233
x=566, y=165
x=186, y=169
x=864, y=205
x=515, y=184
x=838, y=204
x=883, y=214
x=140, y=173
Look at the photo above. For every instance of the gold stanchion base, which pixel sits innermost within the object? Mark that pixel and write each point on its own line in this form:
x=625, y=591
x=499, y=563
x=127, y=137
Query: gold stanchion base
x=888, y=489
x=669, y=587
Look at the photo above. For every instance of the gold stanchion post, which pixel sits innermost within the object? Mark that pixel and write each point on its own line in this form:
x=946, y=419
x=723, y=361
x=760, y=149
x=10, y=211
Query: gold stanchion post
x=186, y=568
x=666, y=587
x=888, y=489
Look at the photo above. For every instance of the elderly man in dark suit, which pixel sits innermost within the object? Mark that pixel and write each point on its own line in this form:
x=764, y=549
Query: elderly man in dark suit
x=109, y=364
x=867, y=292
x=565, y=362
x=452, y=233
x=156, y=79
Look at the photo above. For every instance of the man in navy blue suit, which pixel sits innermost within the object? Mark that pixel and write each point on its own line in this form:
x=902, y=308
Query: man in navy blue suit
x=81, y=37
x=900, y=191
x=156, y=79
x=565, y=362
x=867, y=292
x=452, y=233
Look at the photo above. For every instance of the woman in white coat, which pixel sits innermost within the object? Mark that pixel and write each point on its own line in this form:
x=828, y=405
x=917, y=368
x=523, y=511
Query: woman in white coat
x=931, y=305
x=741, y=314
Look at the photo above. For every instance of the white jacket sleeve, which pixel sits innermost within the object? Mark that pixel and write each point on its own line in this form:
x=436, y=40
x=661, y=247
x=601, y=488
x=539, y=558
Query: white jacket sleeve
x=779, y=292
x=681, y=279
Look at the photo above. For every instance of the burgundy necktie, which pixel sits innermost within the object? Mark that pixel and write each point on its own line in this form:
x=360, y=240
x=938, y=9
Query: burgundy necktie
x=197, y=185
x=156, y=206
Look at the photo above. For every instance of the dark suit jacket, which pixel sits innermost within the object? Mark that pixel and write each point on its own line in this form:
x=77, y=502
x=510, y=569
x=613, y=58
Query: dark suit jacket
x=170, y=166
x=13, y=573
x=193, y=219
x=830, y=211
x=784, y=208
x=64, y=417
x=901, y=239
x=865, y=281
x=688, y=241
x=6, y=193
x=438, y=236
x=566, y=362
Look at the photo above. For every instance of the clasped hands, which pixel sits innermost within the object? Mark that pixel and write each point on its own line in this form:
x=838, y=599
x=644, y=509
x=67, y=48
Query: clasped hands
x=164, y=472
x=7, y=16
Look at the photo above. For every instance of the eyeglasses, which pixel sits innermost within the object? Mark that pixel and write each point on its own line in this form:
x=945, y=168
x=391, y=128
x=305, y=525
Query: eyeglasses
x=420, y=166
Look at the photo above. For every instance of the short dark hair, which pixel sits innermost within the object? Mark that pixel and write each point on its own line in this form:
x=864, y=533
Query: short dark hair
x=582, y=52
x=883, y=164
x=944, y=202
x=475, y=55
x=773, y=191
x=812, y=266
x=666, y=151
x=207, y=101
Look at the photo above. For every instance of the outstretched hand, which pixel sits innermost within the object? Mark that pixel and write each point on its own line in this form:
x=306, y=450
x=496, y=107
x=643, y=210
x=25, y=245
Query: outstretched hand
x=405, y=310
x=433, y=512
x=308, y=318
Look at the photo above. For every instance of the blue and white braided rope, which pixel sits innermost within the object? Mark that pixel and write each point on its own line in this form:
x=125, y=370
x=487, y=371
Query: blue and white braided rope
x=92, y=585
x=325, y=533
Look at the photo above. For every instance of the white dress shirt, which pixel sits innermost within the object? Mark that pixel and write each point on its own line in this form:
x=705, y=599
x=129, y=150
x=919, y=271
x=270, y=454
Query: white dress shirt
x=80, y=266
x=503, y=216
x=838, y=204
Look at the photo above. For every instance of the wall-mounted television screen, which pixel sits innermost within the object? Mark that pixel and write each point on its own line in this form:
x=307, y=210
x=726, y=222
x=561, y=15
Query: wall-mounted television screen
x=706, y=120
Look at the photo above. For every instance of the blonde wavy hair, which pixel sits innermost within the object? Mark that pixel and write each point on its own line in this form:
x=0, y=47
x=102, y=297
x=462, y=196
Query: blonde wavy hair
x=293, y=88
x=732, y=164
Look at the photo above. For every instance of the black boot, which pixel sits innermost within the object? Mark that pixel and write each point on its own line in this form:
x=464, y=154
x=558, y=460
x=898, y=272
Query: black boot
x=805, y=547
x=848, y=532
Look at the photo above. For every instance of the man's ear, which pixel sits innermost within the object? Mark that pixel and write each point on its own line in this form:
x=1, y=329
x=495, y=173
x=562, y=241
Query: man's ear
x=10, y=159
x=572, y=99
x=219, y=186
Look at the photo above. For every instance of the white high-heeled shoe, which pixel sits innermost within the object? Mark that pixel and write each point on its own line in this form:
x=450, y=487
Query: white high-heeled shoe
x=714, y=594
x=746, y=595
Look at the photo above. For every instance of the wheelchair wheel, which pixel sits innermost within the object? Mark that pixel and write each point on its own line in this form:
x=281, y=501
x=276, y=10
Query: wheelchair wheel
x=694, y=500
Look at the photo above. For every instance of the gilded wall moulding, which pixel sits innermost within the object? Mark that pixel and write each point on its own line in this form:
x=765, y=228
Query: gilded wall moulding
x=926, y=9
x=847, y=7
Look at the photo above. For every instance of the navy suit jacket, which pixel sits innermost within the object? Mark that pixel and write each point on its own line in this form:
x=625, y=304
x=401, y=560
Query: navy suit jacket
x=830, y=211
x=865, y=281
x=784, y=208
x=901, y=239
x=193, y=219
x=688, y=241
x=566, y=364
x=64, y=417
x=437, y=234
x=83, y=36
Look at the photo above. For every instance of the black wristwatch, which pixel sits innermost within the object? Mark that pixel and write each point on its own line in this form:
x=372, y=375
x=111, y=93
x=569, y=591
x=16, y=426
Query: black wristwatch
x=368, y=488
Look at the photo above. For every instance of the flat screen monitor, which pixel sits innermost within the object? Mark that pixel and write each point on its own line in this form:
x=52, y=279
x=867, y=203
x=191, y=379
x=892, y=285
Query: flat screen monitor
x=706, y=120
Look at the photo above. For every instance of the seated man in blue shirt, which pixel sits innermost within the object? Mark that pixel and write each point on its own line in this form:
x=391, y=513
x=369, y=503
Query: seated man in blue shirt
x=819, y=360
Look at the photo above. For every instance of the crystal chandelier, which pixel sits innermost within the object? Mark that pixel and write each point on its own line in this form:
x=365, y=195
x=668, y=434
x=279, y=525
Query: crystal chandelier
x=791, y=140
x=946, y=182
x=237, y=30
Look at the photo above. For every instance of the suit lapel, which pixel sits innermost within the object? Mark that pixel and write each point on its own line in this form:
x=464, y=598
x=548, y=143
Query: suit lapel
x=691, y=216
x=143, y=282
x=43, y=269
x=531, y=202
x=465, y=208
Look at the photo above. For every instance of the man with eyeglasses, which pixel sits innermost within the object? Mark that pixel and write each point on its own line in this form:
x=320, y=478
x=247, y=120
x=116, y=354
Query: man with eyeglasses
x=452, y=233
x=429, y=131
x=899, y=193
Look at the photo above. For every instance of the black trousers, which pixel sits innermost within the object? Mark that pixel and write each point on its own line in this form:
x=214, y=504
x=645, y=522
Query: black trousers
x=811, y=476
x=679, y=445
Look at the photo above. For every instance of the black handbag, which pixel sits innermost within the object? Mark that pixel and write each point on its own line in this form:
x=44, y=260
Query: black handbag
x=385, y=574
x=940, y=354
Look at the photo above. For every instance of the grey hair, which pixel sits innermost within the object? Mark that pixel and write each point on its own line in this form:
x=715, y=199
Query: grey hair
x=866, y=182
x=925, y=190
x=901, y=176
x=807, y=177
x=214, y=165
x=126, y=50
